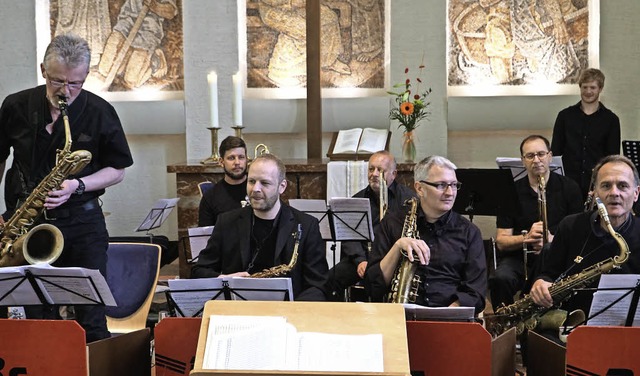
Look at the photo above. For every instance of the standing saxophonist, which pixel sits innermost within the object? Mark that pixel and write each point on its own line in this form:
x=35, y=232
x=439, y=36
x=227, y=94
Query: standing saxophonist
x=262, y=236
x=353, y=258
x=563, y=197
x=582, y=239
x=449, y=249
x=31, y=125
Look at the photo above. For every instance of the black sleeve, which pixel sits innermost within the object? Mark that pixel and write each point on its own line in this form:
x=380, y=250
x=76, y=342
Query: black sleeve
x=315, y=269
x=207, y=214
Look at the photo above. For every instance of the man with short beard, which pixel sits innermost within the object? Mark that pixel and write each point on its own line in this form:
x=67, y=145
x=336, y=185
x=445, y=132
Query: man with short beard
x=250, y=239
x=230, y=191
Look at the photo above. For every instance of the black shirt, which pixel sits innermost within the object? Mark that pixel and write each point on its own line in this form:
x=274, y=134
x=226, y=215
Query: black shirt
x=95, y=127
x=219, y=199
x=457, y=269
x=582, y=140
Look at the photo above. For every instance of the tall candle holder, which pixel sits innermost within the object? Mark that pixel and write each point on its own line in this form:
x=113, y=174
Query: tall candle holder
x=214, y=159
x=238, y=129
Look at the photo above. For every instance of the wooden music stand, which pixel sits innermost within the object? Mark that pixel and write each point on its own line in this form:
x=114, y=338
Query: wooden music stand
x=343, y=318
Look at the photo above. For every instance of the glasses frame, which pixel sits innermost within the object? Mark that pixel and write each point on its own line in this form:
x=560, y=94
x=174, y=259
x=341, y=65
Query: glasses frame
x=532, y=156
x=60, y=84
x=442, y=186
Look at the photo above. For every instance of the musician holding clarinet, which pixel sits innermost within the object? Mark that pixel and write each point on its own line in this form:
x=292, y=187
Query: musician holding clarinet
x=34, y=124
x=523, y=235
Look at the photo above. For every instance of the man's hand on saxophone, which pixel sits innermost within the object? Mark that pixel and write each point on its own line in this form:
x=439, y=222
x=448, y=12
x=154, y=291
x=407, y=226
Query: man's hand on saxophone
x=540, y=293
x=59, y=196
x=411, y=247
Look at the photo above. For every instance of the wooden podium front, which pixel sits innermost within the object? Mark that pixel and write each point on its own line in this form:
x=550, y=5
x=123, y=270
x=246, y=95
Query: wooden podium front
x=342, y=318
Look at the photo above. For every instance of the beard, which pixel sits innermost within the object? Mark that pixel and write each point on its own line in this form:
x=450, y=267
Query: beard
x=235, y=176
x=265, y=203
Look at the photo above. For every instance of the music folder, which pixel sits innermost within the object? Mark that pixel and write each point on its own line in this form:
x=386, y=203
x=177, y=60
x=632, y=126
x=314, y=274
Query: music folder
x=43, y=284
x=188, y=296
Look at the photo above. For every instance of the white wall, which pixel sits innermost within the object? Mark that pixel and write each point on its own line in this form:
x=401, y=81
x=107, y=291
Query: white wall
x=462, y=128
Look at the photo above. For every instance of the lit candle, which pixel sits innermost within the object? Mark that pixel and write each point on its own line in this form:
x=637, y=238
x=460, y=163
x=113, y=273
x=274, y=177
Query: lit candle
x=237, y=99
x=212, y=78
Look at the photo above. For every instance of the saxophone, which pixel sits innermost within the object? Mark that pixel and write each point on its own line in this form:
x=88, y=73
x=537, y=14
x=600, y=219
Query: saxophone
x=283, y=269
x=405, y=282
x=525, y=314
x=43, y=243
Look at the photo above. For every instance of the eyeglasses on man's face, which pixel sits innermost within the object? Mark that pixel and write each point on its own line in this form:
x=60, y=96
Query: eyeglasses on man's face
x=59, y=84
x=532, y=156
x=442, y=186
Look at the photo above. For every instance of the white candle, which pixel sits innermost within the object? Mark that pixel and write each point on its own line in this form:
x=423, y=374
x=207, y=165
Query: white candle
x=212, y=78
x=237, y=99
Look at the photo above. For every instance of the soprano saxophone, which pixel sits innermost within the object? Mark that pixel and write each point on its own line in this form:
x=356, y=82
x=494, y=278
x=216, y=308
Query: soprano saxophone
x=19, y=243
x=283, y=269
x=405, y=282
x=525, y=314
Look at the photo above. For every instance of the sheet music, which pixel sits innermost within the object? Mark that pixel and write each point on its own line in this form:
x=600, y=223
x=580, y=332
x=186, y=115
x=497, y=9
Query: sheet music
x=158, y=214
x=317, y=209
x=54, y=281
x=617, y=314
x=190, y=295
x=23, y=294
x=198, y=237
x=417, y=313
x=352, y=218
x=517, y=168
x=271, y=343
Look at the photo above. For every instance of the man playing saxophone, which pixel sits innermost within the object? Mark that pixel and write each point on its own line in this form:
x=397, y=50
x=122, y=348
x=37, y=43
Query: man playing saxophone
x=262, y=236
x=32, y=126
x=447, y=247
x=353, y=259
x=562, y=197
x=583, y=240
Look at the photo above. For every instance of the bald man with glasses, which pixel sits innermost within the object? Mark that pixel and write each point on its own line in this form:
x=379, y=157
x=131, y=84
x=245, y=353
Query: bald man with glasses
x=449, y=250
x=514, y=233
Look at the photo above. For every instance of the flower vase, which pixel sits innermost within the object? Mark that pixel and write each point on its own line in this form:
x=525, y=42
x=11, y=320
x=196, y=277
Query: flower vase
x=408, y=147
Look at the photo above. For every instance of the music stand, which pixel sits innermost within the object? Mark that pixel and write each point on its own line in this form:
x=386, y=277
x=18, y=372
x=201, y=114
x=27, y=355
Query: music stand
x=486, y=192
x=158, y=214
x=48, y=286
x=631, y=150
x=187, y=297
x=196, y=241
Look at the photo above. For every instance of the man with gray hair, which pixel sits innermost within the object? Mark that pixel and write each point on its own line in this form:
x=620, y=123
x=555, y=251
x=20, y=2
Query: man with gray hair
x=448, y=249
x=32, y=126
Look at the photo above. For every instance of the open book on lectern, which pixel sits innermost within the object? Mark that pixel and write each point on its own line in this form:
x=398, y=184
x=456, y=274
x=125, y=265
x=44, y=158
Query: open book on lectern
x=44, y=284
x=340, y=219
x=158, y=214
x=188, y=296
x=517, y=168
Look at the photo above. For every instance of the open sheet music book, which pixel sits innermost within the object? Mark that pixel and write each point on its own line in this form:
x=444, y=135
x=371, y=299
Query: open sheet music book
x=190, y=295
x=341, y=218
x=271, y=343
x=617, y=314
x=58, y=286
x=417, y=312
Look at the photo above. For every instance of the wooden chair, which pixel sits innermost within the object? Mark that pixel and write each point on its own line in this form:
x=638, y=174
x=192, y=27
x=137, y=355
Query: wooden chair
x=132, y=275
x=205, y=186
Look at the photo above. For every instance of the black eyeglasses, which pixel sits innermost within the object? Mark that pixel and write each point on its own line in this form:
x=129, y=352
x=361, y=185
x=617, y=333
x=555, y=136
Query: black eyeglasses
x=532, y=156
x=442, y=186
x=58, y=84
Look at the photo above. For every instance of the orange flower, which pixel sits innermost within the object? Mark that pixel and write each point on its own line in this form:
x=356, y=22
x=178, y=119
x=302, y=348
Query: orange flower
x=406, y=108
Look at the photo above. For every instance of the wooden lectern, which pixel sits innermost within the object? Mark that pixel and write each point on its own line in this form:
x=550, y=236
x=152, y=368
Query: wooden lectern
x=342, y=318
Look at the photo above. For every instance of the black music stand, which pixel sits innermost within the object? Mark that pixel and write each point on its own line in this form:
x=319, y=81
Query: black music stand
x=157, y=215
x=32, y=286
x=192, y=296
x=486, y=192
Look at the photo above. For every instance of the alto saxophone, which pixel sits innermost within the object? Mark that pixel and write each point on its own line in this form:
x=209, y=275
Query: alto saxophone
x=283, y=269
x=525, y=314
x=405, y=282
x=43, y=243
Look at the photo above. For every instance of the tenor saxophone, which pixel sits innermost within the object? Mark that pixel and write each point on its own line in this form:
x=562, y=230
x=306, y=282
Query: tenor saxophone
x=525, y=314
x=283, y=269
x=405, y=282
x=19, y=243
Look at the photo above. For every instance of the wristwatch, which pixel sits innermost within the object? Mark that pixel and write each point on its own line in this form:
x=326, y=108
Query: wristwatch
x=81, y=187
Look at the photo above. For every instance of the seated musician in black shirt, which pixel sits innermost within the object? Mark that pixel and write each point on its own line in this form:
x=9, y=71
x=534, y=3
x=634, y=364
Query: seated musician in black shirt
x=230, y=191
x=449, y=250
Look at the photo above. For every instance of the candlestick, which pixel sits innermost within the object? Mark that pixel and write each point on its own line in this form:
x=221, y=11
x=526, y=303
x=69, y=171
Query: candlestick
x=214, y=159
x=212, y=78
x=238, y=129
x=237, y=99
